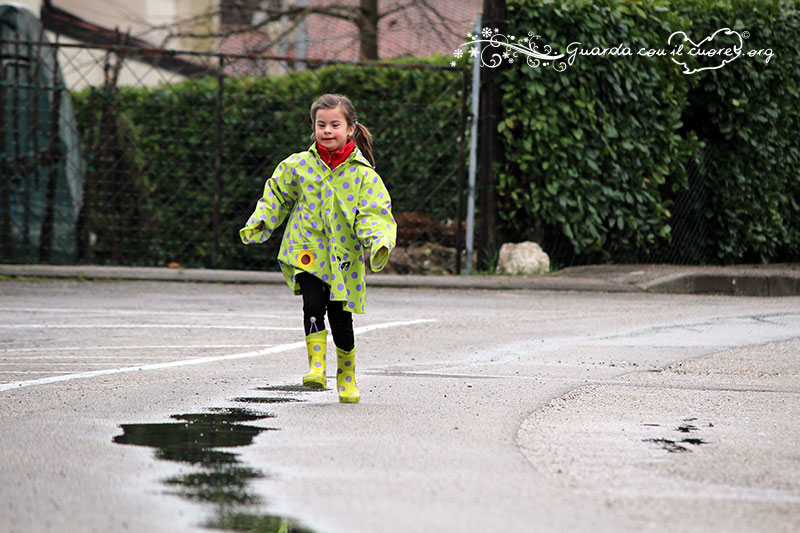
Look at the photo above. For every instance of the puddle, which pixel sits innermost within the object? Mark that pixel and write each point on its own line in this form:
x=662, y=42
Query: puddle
x=288, y=388
x=203, y=440
x=676, y=446
x=261, y=399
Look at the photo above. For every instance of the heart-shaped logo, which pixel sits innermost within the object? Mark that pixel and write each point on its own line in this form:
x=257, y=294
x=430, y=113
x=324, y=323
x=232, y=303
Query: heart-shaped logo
x=716, y=53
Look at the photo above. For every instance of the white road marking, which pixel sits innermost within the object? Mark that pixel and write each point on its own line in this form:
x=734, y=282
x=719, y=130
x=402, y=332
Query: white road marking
x=109, y=348
x=142, y=326
x=124, y=312
x=197, y=361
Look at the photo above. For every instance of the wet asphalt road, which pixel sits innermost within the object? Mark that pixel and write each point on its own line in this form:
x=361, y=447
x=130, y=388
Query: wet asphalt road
x=481, y=410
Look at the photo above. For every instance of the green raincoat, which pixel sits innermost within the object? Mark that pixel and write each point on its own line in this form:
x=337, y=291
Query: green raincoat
x=334, y=215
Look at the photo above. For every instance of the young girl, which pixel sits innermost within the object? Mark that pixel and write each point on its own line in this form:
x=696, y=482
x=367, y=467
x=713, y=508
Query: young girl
x=338, y=207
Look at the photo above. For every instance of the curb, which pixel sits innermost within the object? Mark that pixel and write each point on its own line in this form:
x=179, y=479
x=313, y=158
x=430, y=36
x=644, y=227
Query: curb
x=664, y=279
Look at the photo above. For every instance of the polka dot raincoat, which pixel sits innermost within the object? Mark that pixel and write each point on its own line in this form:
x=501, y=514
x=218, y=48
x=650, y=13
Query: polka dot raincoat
x=334, y=215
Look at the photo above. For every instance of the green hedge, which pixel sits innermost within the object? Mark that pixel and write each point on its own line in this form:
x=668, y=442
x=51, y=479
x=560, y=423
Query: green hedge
x=412, y=113
x=749, y=111
x=595, y=153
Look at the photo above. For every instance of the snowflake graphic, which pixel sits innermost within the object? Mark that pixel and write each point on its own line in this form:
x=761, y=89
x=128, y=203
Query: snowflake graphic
x=458, y=53
x=473, y=51
x=452, y=63
x=487, y=32
x=506, y=55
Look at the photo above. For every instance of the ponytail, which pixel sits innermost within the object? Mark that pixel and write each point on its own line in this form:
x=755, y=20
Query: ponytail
x=363, y=139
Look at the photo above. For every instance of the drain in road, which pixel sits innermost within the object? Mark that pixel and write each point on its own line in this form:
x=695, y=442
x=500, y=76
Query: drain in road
x=202, y=440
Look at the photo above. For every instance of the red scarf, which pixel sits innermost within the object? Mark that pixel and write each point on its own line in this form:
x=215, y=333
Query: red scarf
x=338, y=157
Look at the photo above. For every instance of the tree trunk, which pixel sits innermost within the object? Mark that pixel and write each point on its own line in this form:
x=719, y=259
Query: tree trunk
x=491, y=150
x=368, y=30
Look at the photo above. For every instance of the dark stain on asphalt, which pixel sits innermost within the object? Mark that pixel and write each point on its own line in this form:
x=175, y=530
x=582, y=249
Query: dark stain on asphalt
x=260, y=399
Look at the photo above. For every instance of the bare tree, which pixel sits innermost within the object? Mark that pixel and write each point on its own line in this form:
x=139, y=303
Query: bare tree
x=270, y=22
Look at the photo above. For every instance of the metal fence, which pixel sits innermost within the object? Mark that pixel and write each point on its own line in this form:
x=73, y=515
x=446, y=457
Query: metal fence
x=117, y=155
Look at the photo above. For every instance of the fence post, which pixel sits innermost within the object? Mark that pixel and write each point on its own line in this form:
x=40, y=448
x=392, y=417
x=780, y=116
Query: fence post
x=52, y=159
x=218, y=160
x=461, y=168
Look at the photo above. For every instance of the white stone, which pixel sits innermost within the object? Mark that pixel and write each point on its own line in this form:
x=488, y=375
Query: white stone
x=524, y=258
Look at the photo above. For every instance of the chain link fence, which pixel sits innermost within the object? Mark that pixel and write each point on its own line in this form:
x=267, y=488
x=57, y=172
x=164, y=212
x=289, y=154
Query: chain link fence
x=122, y=156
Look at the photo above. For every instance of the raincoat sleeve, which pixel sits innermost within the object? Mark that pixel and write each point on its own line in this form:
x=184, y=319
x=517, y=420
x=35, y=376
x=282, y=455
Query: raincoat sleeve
x=374, y=224
x=280, y=194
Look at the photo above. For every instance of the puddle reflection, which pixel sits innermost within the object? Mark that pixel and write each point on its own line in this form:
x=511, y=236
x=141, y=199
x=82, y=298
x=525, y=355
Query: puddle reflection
x=222, y=480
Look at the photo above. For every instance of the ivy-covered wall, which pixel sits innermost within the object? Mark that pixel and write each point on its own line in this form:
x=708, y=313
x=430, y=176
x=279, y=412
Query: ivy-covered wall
x=596, y=152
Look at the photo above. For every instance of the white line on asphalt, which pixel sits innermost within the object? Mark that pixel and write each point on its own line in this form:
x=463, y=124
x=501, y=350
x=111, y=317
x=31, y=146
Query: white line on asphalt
x=200, y=360
x=109, y=348
x=31, y=372
x=123, y=312
x=141, y=326
x=80, y=363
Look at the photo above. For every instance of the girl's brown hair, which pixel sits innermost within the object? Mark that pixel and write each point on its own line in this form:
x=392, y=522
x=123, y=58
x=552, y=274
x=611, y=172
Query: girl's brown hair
x=361, y=136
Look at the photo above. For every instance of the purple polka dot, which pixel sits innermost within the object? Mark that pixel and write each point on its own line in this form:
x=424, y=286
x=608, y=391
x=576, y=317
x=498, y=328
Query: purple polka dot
x=340, y=287
x=358, y=287
x=351, y=305
x=354, y=275
x=342, y=240
x=350, y=197
x=302, y=162
x=345, y=185
x=317, y=347
x=324, y=277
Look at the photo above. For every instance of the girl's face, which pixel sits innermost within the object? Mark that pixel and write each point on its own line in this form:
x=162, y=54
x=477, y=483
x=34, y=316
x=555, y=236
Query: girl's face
x=331, y=128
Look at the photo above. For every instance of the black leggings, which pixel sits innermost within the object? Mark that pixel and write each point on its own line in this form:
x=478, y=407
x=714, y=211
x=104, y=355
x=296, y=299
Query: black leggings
x=316, y=300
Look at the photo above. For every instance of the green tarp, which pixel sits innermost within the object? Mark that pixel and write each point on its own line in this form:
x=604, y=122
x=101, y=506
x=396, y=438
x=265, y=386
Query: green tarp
x=41, y=168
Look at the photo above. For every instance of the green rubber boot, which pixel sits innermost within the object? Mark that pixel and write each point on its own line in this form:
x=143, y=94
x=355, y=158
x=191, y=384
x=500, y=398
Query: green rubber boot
x=317, y=344
x=346, y=376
